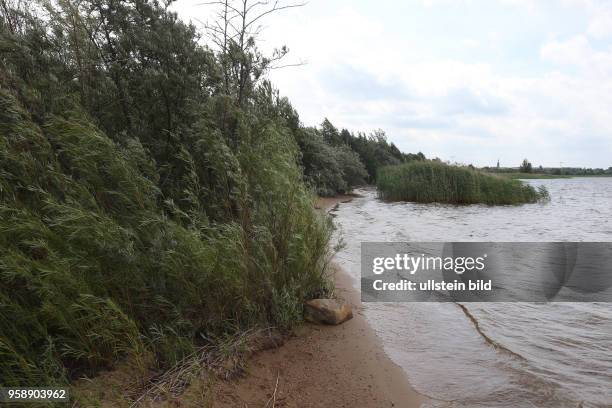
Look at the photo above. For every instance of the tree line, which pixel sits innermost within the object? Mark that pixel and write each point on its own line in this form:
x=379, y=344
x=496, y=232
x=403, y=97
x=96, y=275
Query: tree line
x=527, y=168
x=335, y=160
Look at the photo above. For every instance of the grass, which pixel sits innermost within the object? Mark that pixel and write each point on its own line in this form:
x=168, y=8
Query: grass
x=190, y=382
x=430, y=181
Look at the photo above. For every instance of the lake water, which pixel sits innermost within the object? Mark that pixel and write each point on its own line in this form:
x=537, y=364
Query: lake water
x=542, y=355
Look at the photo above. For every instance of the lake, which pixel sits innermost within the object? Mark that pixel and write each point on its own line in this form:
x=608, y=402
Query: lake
x=521, y=354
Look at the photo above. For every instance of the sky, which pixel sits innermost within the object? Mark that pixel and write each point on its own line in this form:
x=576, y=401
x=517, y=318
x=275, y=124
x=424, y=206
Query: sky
x=468, y=81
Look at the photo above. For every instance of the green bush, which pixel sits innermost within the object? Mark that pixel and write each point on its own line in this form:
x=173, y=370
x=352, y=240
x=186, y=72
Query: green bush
x=431, y=181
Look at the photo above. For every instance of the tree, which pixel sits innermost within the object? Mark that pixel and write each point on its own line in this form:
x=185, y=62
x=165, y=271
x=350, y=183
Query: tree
x=525, y=167
x=235, y=32
x=330, y=133
x=353, y=171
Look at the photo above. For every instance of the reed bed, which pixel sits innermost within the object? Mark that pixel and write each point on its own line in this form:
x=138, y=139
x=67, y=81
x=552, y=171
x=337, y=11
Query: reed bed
x=436, y=182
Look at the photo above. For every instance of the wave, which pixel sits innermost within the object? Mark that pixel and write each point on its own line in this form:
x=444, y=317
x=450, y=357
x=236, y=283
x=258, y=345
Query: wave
x=496, y=345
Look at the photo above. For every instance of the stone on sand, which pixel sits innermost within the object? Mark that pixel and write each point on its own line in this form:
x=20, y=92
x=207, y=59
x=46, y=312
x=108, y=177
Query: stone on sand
x=327, y=311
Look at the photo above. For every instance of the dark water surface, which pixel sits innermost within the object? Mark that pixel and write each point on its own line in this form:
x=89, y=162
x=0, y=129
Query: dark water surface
x=521, y=354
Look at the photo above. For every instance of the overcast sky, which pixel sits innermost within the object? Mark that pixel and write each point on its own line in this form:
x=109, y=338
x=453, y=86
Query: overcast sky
x=471, y=81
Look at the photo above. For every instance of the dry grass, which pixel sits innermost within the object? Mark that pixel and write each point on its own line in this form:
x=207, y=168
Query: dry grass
x=226, y=360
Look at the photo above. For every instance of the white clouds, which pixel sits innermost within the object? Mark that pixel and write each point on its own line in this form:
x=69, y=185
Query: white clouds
x=600, y=25
x=575, y=51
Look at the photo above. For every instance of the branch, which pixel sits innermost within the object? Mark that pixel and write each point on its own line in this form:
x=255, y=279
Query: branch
x=274, y=8
x=219, y=3
x=297, y=64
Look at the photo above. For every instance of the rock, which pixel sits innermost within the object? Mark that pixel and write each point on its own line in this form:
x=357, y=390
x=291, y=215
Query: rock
x=327, y=311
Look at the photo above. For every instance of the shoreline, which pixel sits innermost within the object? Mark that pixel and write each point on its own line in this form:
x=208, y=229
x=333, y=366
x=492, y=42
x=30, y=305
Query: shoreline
x=327, y=204
x=323, y=366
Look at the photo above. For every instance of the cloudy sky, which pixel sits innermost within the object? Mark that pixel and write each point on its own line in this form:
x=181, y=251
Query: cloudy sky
x=471, y=81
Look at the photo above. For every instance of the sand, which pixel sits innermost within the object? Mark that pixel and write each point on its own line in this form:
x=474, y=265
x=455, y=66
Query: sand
x=323, y=366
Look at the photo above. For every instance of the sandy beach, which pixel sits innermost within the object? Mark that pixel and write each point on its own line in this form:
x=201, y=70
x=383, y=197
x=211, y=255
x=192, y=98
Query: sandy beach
x=323, y=366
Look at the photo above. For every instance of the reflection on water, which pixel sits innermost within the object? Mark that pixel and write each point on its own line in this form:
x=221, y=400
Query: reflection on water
x=523, y=354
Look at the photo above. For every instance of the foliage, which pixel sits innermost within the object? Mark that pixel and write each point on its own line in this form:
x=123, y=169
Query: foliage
x=142, y=210
x=375, y=151
x=433, y=181
x=329, y=169
x=525, y=167
x=336, y=161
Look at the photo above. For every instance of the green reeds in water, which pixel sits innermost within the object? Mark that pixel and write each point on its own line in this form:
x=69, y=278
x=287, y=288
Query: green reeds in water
x=436, y=182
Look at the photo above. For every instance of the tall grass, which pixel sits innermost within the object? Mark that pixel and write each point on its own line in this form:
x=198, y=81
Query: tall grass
x=96, y=264
x=430, y=181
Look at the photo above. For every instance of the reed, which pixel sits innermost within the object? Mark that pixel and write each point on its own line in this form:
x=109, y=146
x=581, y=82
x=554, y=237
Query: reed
x=96, y=266
x=431, y=181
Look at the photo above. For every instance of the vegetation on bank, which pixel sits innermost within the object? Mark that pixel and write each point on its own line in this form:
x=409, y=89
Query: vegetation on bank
x=154, y=194
x=434, y=181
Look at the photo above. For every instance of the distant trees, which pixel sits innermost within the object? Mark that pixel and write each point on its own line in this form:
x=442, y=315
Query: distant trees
x=375, y=151
x=322, y=169
x=555, y=171
x=525, y=167
x=337, y=160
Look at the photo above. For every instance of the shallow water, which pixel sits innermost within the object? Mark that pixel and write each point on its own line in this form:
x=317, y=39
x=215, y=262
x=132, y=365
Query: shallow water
x=544, y=355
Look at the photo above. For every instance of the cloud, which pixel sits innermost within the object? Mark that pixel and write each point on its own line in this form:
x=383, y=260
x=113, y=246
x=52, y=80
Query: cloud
x=575, y=51
x=578, y=52
x=600, y=25
x=464, y=101
x=357, y=83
